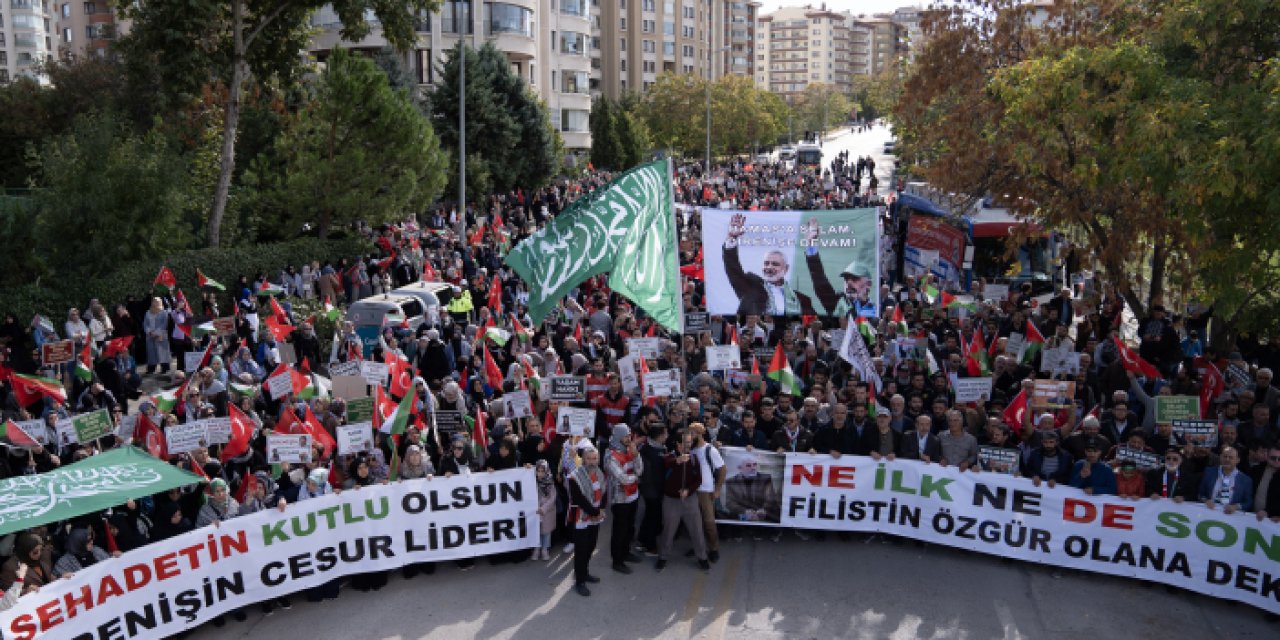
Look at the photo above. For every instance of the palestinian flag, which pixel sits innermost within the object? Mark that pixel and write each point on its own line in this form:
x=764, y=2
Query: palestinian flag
x=331, y=312
x=18, y=437
x=84, y=363
x=205, y=282
x=271, y=289
x=931, y=293
x=29, y=388
x=395, y=463
x=248, y=390
x=866, y=330
x=521, y=333
x=395, y=423
x=165, y=280
x=498, y=335
x=318, y=387
x=977, y=363
x=952, y=302
x=1034, y=343
x=167, y=401
x=780, y=372
x=898, y=321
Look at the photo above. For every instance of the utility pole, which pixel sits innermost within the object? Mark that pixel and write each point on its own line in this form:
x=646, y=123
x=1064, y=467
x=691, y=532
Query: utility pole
x=462, y=130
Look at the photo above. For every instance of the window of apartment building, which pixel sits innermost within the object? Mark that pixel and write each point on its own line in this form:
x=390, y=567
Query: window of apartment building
x=622, y=64
x=648, y=26
x=573, y=43
x=90, y=8
x=455, y=17
x=687, y=50
x=1, y=39
x=650, y=66
x=422, y=22
x=4, y=76
x=66, y=35
x=422, y=65
x=668, y=28
x=574, y=119
x=66, y=9
x=4, y=57
x=622, y=4
x=24, y=39
x=622, y=44
x=533, y=74
x=760, y=57
x=688, y=68
x=687, y=31
x=574, y=82
x=24, y=21
x=648, y=46
x=815, y=76
x=595, y=43
x=648, y=5
x=573, y=7
x=622, y=23
x=689, y=13
x=668, y=49
x=509, y=18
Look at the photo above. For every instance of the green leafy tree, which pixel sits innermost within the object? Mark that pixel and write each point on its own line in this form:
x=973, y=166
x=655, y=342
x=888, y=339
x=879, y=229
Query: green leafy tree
x=359, y=150
x=107, y=196
x=633, y=139
x=606, y=146
x=507, y=126
x=674, y=111
x=192, y=42
x=821, y=107
x=742, y=116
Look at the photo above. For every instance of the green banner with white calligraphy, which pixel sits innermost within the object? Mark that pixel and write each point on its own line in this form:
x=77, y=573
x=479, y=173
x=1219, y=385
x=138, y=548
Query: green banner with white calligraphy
x=93, y=484
x=625, y=227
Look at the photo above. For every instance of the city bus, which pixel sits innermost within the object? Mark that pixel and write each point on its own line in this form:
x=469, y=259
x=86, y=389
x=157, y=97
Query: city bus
x=809, y=155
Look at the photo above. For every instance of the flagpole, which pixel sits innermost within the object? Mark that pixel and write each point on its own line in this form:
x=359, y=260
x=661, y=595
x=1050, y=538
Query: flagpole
x=675, y=242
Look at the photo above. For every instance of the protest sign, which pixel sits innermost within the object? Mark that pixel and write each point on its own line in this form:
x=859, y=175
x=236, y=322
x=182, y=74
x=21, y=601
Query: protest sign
x=972, y=389
x=517, y=405
x=349, y=368
x=576, y=422
x=350, y=388
x=287, y=353
x=265, y=555
x=662, y=383
x=752, y=488
x=1179, y=544
x=696, y=322
x=293, y=448
x=38, y=431
x=53, y=353
x=1014, y=344
x=934, y=245
x=1060, y=361
x=186, y=436
x=811, y=249
x=1053, y=394
x=225, y=326
x=355, y=438
x=449, y=421
x=995, y=293
x=1198, y=433
x=66, y=431
x=724, y=358
x=1170, y=408
x=93, y=425
x=648, y=347
x=998, y=459
x=360, y=409
x=218, y=430
x=566, y=388
x=1145, y=460
x=280, y=385
x=628, y=367
x=374, y=373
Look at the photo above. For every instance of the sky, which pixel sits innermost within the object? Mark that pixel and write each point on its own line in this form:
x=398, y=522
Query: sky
x=855, y=6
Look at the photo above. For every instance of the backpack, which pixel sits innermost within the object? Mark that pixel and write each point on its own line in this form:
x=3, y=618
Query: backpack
x=706, y=453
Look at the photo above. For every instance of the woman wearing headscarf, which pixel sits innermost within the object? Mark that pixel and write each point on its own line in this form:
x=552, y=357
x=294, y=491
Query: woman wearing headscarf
x=416, y=465
x=81, y=553
x=155, y=326
x=505, y=457
x=220, y=505
x=32, y=552
x=587, y=486
x=546, y=509
x=168, y=520
x=244, y=363
x=360, y=474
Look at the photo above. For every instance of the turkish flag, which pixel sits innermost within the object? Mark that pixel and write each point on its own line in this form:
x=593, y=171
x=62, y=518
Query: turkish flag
x=318, y=433
x=241, y=433
x=150, y=437
x=289, y=424
x=1212, y=384
x=401, y=375
x=1014, y=413
x=491, y=371
x=1134, y=362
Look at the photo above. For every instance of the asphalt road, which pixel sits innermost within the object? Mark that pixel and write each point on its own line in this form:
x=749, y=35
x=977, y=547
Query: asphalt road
x=761, y=589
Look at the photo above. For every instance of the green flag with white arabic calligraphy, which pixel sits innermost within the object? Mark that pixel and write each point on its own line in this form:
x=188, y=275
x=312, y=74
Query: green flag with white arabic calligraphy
x=624, y=227
x=93, y=484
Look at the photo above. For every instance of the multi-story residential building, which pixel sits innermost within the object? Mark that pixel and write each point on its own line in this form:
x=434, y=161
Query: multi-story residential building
x=83, y=28
x=799, y=46
x=26, y=38
x=635, y=41
x=547, y=42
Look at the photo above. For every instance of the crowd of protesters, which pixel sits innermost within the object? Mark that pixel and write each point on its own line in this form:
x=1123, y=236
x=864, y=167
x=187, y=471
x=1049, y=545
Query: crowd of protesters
x=653, y=464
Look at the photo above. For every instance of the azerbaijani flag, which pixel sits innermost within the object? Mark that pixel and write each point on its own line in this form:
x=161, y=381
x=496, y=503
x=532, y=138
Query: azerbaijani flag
x=780, y=372
x=1033, y=344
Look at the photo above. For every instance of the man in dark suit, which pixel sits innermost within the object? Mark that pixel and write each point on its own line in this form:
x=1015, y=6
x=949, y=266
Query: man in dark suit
x=1226, y=486
x=922, y=444
x=765, y=294
x=1266, y=486
x=1171, y=481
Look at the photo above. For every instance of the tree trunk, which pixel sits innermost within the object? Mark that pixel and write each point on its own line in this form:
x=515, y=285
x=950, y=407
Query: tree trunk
x=1159, y=260
x=231, y=124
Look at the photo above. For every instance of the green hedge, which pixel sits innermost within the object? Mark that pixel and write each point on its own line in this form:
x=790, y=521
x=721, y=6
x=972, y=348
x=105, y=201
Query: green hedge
x=52, y=297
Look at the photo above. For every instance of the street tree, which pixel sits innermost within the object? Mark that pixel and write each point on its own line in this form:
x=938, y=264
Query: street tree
x=821, y=107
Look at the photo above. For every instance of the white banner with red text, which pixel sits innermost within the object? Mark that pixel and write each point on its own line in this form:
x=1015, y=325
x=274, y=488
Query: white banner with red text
x=1187, y=545
x=166, y=587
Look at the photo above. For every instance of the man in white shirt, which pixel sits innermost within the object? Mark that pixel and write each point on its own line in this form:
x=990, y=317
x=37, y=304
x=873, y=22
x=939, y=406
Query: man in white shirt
x=713, y=473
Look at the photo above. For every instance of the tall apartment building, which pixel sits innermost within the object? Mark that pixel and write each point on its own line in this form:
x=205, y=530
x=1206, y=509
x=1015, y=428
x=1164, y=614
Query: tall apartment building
x=547, y=42
x=799, y=46
x=26, y=38
x=635, y=41
x=83, y=28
